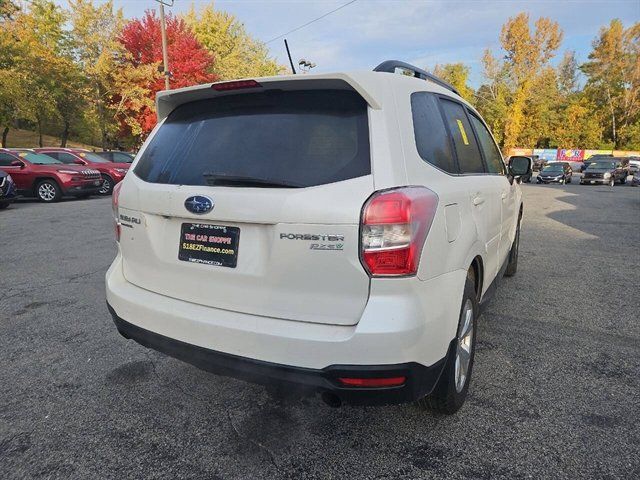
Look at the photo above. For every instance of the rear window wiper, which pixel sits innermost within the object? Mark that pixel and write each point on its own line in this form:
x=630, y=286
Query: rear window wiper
x=246, y=181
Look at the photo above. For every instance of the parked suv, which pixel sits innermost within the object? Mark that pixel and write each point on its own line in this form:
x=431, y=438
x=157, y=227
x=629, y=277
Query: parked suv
x=333, y=233
x=112, y=173
x=605, y=172
x=37, y=175
x=7, y=190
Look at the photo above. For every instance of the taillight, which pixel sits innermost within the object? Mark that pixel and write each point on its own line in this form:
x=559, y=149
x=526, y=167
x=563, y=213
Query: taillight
x=393, y=228
x=235, y=85
x=115, y=197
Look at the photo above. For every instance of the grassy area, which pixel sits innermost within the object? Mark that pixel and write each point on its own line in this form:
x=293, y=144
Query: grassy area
x=28, y=139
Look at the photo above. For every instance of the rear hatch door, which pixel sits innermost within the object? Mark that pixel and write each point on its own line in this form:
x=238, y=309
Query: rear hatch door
x=251, y=203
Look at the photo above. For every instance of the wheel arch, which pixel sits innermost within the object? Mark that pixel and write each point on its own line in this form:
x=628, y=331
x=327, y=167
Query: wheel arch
x=37, y=180
x=477, y=266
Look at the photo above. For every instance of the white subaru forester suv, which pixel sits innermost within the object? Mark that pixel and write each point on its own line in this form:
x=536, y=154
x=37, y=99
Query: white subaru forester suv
x=335, y=233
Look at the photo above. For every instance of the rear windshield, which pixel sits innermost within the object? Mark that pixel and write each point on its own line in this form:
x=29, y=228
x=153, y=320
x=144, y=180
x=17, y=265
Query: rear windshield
x=271, y=139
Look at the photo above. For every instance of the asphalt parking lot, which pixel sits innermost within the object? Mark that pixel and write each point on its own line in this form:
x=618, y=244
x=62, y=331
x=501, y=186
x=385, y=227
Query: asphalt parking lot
x=554, y=392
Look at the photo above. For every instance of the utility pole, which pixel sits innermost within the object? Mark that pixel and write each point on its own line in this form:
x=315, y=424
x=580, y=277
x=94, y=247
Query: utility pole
x=165, y=55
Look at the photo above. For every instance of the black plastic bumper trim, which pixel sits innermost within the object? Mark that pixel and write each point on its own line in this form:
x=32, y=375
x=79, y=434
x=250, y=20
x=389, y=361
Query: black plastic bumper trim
x=420, y=379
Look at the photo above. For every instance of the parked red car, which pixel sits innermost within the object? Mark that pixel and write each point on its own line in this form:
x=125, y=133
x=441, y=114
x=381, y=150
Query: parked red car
x=112, y=173
x=37, y=175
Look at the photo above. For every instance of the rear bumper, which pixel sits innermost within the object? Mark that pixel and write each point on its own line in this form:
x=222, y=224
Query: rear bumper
x=407, y=326
x=420, y=379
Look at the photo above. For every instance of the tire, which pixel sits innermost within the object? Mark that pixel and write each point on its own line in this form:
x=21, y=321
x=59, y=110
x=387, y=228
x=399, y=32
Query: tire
x=623, y=180
x=451, y=390
x=48, y=191
x=569, y=180
x=512, y=266
x=107, y=185
x=4, y=205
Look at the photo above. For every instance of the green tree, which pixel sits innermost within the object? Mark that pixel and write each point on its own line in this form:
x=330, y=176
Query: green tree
x=236, y=54
x=457, y=74
x=613, y=79
x=96, y=49
x=493, y=97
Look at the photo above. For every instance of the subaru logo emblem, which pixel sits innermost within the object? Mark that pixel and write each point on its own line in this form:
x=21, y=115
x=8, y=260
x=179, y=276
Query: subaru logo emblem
x=198, y=204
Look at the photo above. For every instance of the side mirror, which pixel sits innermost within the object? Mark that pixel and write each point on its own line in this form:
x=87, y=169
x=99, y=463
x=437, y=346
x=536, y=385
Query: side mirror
x=519, y=166
x=77, y=161
x=17, y=163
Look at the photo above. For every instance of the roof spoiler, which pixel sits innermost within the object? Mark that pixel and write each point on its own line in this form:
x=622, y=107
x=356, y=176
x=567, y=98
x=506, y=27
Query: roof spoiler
x=390, y=66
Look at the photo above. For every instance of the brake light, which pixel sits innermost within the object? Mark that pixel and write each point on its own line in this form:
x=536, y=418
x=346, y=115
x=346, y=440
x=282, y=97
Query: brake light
x=235, y=85
x=115, y=198
x=394, y=226
x=373, y=382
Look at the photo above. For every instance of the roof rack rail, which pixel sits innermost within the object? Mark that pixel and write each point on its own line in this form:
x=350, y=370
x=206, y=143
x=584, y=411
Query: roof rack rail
x=390, y=66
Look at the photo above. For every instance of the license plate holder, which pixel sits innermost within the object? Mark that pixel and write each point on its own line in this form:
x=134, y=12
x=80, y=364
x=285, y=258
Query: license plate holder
x=207, y=244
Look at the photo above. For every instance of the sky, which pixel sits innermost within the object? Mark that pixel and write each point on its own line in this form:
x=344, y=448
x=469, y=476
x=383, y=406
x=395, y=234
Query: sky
x=422, y=32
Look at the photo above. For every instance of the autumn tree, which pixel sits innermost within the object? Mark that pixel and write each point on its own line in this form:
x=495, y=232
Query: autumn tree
x=189, y=62
x=457, y=74
x=493, y=97
x=613, y=80
x=39, y=62
x=237, y=55
x=96, y=51
x=527, y=54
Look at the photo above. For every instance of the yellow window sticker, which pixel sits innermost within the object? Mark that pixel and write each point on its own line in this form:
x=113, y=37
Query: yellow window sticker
x=462, y=132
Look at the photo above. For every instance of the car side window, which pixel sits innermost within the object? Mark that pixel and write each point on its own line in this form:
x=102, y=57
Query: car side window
x=6, y=159
x=464, y=141
x=65, y=157
x=119, y=158
x=492, y=155
x=430, y=133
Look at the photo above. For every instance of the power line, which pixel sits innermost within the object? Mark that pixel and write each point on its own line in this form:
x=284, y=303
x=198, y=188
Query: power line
x=310, y=22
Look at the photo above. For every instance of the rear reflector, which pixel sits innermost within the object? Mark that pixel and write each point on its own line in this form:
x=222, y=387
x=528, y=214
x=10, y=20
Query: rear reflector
x=115, y=199
x=373, y=382
x=235, y=85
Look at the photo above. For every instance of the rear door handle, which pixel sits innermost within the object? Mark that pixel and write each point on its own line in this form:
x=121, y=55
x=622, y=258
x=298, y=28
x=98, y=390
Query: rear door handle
x=478, y=201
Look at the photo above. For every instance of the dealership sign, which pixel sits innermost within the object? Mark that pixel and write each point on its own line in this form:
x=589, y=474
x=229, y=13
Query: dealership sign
x=571, y=155
x=548, y=154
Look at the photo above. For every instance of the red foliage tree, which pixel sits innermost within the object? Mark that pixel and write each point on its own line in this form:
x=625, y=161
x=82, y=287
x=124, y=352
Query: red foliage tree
x=189, y=62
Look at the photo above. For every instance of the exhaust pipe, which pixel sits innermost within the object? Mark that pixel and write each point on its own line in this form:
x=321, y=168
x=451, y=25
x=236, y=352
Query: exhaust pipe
x=331, y=399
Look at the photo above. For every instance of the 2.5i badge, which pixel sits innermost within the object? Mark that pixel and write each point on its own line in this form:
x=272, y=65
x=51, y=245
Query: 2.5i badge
x=321, y=241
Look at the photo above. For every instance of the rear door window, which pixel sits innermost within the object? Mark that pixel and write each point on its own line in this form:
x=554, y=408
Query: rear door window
x=492, y=154
x=297, y=139
x=464, y=140
x=430, y=133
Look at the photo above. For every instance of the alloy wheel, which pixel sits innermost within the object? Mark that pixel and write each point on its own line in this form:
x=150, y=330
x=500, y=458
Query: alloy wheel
x=464, y=346
x=47, y=192
x=106, y=187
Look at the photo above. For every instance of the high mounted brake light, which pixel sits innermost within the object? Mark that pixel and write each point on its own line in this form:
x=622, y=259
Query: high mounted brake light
x=393, y=228
x=235, y=85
